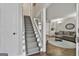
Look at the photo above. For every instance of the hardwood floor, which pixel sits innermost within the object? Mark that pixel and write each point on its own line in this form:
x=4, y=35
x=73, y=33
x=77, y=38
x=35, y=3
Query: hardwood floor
x=39, y=54
x=57, y=51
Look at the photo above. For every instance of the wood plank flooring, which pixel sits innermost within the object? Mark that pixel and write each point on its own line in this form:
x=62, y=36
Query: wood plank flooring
x=57, y=51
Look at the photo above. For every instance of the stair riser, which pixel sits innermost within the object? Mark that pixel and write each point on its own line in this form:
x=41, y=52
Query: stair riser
x=29, y=34
x=30, y=40
x=31, y=46
x=28, y=23
x=31, y=51
x=30, y=37
x=29, y=31
x=28, y=26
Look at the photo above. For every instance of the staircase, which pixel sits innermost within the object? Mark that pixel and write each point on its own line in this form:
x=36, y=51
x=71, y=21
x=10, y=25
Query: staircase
x=30, y=37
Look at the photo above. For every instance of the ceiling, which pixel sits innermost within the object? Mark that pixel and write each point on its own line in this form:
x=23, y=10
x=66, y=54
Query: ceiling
x=60, y=10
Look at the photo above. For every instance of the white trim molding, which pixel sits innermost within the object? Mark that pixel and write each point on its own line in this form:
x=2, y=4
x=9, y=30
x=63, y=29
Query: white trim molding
x=44, y=29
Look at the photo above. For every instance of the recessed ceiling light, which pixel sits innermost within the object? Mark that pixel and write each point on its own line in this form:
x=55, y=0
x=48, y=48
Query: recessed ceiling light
x=59, y=22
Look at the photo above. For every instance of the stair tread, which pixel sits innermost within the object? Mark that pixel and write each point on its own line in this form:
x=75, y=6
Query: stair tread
x=33, y=50
x=30, y=53
x=32, y=44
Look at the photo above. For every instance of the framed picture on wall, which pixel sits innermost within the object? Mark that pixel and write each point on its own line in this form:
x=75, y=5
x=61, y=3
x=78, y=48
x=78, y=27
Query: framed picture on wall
x=69, y=26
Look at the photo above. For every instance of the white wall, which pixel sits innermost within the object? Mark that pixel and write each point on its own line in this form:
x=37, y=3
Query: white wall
x=10, y=22
x=20, y=29
x=61, y=27
x=26, y=9
x=39, y=6
x=47, y=27
x=60, y=10
x=78, y=19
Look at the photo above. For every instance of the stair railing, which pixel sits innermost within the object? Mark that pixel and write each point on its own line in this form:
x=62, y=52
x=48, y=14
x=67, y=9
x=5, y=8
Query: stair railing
x=37, y=33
